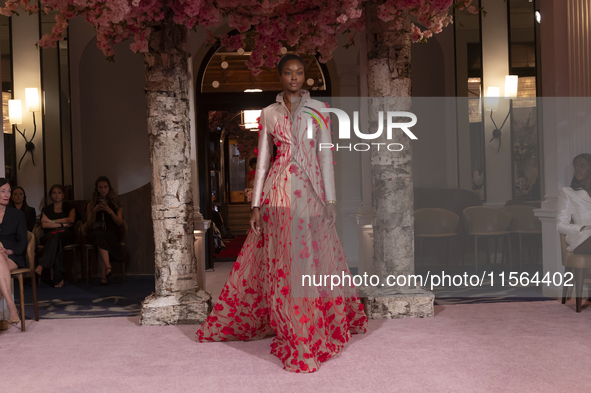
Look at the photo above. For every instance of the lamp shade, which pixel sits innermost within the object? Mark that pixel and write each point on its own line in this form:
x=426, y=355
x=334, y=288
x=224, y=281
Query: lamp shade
x=511, y=82
x=32, y=96
x=15, y=112
x=492, y=98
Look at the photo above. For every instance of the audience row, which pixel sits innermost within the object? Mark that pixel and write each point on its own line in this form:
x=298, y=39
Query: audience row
x=104, y=216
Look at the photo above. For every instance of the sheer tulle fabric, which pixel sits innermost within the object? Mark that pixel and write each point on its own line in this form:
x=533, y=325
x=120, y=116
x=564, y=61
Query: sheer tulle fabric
x=264, y=294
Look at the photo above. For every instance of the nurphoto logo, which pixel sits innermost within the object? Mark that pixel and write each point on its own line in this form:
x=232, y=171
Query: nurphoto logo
x=345, y=128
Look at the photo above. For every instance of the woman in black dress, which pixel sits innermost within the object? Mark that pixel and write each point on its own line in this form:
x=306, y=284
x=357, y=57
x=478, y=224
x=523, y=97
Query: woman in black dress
x=105, y=216
x=57, y=220
x=13, y=239
x=18, y=200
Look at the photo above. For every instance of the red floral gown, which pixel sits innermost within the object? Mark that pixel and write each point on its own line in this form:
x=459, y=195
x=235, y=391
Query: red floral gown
x=264, y=294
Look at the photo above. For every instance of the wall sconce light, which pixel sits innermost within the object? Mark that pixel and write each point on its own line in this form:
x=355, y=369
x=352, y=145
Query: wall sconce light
x=538, y=17
x=492, y=101
x=511, y=84
x=15, y=115
x=15, y=112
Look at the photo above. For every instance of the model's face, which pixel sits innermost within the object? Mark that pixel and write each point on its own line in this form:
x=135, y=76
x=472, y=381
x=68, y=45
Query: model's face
x=582, y=169
x=292, y=76
x=103, y=189
x=57, y=195
x=18, y=196
x=4, y=194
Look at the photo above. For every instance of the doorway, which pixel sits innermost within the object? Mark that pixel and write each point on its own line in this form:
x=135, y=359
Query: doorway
x=225, y=92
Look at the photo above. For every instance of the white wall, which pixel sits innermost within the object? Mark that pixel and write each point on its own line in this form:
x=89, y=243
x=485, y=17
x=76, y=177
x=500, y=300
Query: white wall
x=26, y=73
x=110, y=130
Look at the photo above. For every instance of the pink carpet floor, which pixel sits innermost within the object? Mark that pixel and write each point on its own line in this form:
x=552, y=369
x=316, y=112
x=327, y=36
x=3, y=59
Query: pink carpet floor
x=502, y=347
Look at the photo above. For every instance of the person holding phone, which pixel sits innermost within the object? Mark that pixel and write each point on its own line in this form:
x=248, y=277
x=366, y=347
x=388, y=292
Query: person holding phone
x=104, y=216
x=57, y=221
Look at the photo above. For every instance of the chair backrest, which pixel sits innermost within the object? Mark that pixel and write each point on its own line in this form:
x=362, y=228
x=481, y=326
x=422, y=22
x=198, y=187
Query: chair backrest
x=482, y=219
x=513, y=202
x=31, y=250
x=38, y=233
x=433, y=221
x=523, y=218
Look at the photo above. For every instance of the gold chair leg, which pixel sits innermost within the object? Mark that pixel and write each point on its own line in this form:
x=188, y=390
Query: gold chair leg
x=520, y=255
x=509, y=251
x=567, y=269
x=22, y=293
x=579, y=278
x=476, y=252
x=75, y=267
x=35, y=305
x=496, y=250
x=87, y=262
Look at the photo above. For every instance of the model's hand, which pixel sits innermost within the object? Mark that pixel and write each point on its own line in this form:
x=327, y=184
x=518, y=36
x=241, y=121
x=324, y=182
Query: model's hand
x=97, y=207
x=8, y=252
x=331, y=213
x=255, y=220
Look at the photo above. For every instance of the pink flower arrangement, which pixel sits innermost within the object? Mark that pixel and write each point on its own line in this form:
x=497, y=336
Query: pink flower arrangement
x=309, y=26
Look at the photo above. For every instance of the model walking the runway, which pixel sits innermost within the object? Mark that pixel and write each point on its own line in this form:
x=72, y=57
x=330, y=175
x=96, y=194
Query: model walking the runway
x=292, y=234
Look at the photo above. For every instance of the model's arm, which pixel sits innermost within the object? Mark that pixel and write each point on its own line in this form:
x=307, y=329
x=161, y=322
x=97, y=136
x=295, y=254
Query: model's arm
x=325, y=161
x=565, y=211
x=263, y=161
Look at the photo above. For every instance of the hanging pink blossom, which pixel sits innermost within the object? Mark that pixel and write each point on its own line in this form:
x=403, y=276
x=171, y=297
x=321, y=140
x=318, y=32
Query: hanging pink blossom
x=311, y=26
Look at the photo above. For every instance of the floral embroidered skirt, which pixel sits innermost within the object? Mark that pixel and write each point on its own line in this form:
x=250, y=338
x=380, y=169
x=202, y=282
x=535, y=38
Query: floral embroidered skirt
x=265, y=294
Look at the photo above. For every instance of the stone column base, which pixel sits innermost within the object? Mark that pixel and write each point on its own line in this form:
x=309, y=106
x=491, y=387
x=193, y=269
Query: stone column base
x=181, y=308
x=397, y=303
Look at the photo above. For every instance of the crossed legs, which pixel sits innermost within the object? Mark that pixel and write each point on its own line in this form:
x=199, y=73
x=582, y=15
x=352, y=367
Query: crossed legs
x=104, y=263
x=6, y=265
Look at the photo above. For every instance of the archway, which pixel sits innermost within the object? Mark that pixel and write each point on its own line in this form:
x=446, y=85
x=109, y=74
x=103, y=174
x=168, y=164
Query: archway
x=226, y=86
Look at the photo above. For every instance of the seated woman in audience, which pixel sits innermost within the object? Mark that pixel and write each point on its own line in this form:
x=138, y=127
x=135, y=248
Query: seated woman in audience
x=574, y=203
x=105, y=216
x=57, y=220
x=13, y=239
x=18, y=200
